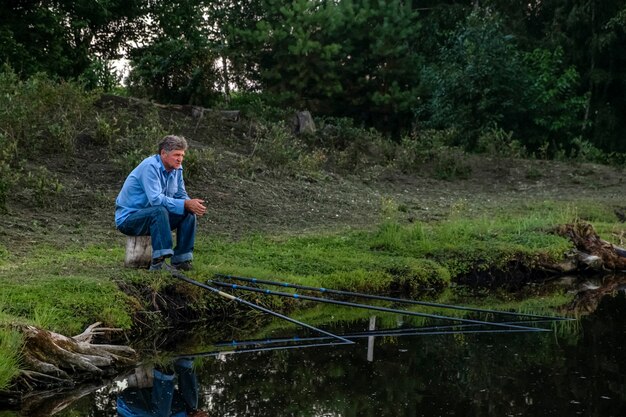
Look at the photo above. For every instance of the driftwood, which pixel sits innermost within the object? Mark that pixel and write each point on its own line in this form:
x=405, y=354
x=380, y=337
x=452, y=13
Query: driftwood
x=54, y=360
x=593, y=252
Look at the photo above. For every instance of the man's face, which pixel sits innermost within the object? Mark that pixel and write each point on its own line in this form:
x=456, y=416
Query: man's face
x=173, y=159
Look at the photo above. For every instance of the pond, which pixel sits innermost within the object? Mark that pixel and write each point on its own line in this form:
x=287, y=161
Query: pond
x=576, y=368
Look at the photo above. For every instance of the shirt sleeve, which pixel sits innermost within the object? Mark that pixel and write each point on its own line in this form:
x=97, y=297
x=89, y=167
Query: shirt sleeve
x=155, y=192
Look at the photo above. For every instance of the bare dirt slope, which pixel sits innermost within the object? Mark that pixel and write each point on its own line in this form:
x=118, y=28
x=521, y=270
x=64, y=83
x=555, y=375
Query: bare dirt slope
x=241, y=203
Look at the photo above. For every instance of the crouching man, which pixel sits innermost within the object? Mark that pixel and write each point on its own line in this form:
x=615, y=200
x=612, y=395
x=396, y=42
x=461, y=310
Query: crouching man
x=153, y=201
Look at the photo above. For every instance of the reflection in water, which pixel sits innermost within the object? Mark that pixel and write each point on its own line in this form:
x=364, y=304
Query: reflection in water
x=154, y=392
x=575, y=369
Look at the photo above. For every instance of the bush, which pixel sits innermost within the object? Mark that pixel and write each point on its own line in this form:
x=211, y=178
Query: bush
x=40, y=115
x=494, y=140
x=9, y=175
x=419, y=148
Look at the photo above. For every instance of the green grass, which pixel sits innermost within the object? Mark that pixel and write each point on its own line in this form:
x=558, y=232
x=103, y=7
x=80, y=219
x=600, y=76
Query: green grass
x=392, y=255
x=65, y=288
x=10, y=344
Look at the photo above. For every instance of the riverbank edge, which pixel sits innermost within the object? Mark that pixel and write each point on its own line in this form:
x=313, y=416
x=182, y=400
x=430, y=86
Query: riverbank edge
x=168, y=304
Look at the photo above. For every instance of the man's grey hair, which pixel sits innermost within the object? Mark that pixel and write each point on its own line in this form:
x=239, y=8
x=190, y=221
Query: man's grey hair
x=173, y=143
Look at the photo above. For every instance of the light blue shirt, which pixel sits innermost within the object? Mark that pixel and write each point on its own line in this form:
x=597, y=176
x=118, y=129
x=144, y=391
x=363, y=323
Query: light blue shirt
x=148, y=185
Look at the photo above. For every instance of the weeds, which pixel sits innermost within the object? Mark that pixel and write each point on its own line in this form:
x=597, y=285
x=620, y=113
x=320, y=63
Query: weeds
x=41, y=115
x=10, y=343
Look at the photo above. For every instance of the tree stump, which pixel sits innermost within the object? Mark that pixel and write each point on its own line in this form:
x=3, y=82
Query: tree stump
x=138, y=252
x=303, y=123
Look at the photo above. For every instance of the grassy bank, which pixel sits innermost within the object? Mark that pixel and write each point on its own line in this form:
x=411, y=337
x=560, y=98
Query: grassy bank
x=342, y=208
x=67, y=287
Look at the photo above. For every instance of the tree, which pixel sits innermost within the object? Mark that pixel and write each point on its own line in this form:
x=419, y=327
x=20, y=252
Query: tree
x=354, y=58
x=554, y=108
x=290, y=52
x=476, y=81
x=381, y=63
x=64, y=37
x=177, y=64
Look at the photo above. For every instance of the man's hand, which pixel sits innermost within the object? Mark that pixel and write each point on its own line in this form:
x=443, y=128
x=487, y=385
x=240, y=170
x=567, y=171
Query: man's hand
x=196, y=206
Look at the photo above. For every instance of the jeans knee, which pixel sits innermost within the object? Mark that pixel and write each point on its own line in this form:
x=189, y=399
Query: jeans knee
x=160, y=212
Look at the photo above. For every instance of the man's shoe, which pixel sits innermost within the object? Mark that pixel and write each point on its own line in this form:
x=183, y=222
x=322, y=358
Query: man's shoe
x=183, y=266
x=161, y=265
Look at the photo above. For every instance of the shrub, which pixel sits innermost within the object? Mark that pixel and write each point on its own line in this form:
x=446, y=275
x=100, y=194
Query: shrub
x=41, y=115
x=9, y=175
x=450, y=164
x=199, y=163
x=43, y=185
x=494, y=140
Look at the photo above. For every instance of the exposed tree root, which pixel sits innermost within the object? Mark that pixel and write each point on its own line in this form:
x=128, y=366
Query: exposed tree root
x=54, y=360
x=593, y=252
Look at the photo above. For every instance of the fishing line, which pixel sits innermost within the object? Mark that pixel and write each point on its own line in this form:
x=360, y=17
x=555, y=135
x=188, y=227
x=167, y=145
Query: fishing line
x=231, y=297
x=371, y=307
x=385, y=298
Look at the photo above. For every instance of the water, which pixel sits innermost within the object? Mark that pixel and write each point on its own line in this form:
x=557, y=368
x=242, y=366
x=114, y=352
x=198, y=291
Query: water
x=578, y=368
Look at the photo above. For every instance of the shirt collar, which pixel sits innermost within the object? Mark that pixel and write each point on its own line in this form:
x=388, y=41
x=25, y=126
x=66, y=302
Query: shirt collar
x=158, y=158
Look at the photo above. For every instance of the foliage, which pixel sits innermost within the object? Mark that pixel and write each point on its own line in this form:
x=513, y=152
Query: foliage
x=10, y=344
x=584, y=151
x=556, y=109
x=174, y=71
x=544, y=73
x=493, y=140
x=381, y=62
x=40, y=115
x=101, y=75
x=476, y=82
x=279, y=152
x=65, y=37
x=43, y=184
x=349, y=58
x=8, y=175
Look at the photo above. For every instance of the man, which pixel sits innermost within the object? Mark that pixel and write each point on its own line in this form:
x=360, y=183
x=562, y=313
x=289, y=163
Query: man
x=153, y=201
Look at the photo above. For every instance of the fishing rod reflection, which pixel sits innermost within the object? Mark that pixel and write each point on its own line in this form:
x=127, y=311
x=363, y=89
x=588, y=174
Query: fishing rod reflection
x=233, y=347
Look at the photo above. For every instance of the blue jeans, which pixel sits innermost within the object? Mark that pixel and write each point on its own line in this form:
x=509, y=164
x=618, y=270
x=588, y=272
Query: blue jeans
x=158, y=223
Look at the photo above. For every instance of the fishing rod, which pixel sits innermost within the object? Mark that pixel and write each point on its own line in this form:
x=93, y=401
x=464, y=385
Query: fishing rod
x=370, y=307
x=384, y=298
x=231, y=297
x=426, y=330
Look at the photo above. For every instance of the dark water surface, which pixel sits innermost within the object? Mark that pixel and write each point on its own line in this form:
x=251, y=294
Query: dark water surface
x=578, y=368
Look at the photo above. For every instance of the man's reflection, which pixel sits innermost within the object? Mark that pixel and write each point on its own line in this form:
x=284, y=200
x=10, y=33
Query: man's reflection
x=155, y=394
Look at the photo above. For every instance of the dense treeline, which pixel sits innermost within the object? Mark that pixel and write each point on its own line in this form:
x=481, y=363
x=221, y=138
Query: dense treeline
x=548, y=76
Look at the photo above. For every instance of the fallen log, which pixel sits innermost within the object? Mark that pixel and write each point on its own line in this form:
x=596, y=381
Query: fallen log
x=593, y=251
